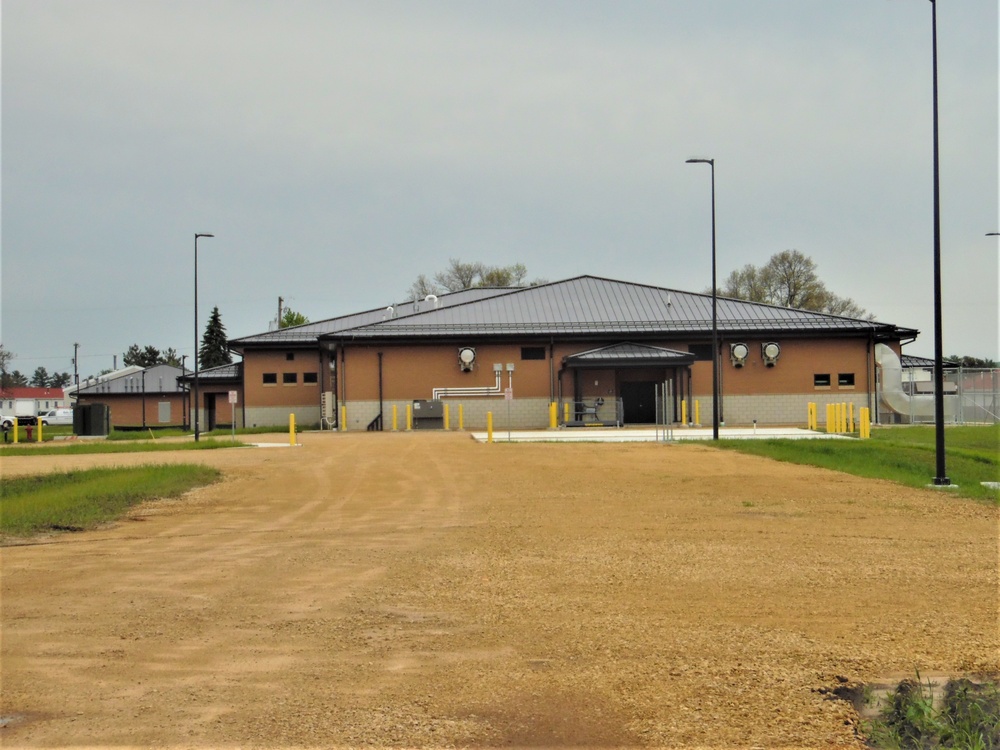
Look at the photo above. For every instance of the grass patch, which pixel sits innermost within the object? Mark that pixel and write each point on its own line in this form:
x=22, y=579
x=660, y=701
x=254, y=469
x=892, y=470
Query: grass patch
x=900, y=454
x=100, y=446
x=968, y=717
x=80, y=500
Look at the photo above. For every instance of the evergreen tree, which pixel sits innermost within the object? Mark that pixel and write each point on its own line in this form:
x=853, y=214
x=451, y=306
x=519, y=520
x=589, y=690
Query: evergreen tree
x=15, y=379
x=60, y=380
x=214, y=350
x=41, y=378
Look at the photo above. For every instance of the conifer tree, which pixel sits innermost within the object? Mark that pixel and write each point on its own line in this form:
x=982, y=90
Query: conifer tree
x=214, y=351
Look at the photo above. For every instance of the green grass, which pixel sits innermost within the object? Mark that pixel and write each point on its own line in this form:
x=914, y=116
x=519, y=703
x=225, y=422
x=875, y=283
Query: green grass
x=65, y=448
x=968, y=719
x=900, y=454
x=80, y=500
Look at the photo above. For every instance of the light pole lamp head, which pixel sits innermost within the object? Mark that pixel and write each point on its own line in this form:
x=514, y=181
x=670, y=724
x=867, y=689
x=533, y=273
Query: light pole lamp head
x=203, y=235
x=700, y=160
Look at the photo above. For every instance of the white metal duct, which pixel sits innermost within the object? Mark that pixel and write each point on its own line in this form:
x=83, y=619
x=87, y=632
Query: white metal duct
x=898, y=400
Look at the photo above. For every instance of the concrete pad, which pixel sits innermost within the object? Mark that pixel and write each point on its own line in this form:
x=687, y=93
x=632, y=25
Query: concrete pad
x=651, y=434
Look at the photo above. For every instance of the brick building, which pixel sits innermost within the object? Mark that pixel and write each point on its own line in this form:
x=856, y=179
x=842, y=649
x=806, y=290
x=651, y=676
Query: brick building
x=601, y=350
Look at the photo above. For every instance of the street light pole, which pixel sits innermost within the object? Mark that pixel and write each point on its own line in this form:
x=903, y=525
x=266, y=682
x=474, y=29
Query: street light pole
x=941, y=477
x=716, y=395
x=196, y=400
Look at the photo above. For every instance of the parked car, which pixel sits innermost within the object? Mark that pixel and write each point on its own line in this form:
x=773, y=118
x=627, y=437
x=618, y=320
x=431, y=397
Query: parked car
x=8, y=421
x=57, y=416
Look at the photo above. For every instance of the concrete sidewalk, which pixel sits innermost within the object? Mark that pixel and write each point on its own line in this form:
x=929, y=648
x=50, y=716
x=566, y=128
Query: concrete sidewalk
x=651, y=434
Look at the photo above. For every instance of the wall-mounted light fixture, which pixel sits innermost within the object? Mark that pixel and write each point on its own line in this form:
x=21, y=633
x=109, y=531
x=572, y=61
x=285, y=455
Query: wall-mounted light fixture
x=769, y=352
x=738, y=353
x=466, y=358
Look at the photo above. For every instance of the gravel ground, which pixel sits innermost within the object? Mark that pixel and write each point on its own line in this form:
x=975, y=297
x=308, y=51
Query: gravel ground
x=399, y=590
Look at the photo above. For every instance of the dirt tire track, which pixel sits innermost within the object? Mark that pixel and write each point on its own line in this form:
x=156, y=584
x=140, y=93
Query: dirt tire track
x=424, y=590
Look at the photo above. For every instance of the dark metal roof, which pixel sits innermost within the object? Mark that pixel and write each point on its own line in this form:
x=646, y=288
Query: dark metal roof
x=308, y=333
x=911, y=361
x=232, y=371
x=629, y=354
x=156, y=379
x=589, y=305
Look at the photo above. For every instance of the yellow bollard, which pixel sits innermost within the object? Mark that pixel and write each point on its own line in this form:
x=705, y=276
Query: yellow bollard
x=461, y=418
x=39, y=430
x=811, y=415
x=850, y=417
x=489, y=427
x=684, y=412
x=447, y=414
x=15, y=429
x=830, y=418
x=395, y=414
x=866, y=422
x=566, y=412
x=343, y=418
x=409, y=417
x=291, y=428
x=843, y=417
x=697, y=413
x=553, y=418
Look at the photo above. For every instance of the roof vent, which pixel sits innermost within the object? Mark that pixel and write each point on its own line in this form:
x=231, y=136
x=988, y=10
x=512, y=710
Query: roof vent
x=432, y=298
x=390, y=313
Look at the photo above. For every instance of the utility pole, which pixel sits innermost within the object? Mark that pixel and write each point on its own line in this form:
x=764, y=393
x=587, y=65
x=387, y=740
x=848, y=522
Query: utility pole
x=76, y=370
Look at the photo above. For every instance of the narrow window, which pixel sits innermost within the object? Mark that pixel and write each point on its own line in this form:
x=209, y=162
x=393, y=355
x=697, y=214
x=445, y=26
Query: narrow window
x=821, y=380
x=532, y=352
x=845, y=380
x=310, y=378
x=289, y=378
x=270, y=378
x=289, y=356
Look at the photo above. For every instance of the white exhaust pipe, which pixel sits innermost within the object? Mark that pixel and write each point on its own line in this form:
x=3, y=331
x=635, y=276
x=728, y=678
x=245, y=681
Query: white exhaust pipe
x=893, y=395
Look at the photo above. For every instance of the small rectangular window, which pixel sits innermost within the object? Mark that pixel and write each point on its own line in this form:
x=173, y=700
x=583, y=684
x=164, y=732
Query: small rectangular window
x=845, y=380
x=701, y=352
x=289, y=356
x=821, y=380
x=310, y=378
x=532, y=352
x=289, y=378
x=270, y=378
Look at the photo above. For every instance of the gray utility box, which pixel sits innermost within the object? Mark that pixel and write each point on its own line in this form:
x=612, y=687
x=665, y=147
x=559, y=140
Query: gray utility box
x=428, y=415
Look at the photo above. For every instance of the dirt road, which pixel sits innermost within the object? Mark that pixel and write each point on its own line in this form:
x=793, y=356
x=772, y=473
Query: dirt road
x=425, y=590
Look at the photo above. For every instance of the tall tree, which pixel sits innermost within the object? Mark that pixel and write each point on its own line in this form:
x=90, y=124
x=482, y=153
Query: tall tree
x=291, y=318
x=170, y=357
x=789, y=279
x=40, y=378
x=214, y=350
x=60, y=380
x=460, y=275
x=15, y=379
x=145, y=357
x=6, y=357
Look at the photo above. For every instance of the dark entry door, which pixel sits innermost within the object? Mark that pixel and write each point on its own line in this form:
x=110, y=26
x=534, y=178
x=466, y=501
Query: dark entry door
x=210, y=411
x=639, y=402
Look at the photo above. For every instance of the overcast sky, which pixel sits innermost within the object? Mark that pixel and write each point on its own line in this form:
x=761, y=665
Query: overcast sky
x=337, y=150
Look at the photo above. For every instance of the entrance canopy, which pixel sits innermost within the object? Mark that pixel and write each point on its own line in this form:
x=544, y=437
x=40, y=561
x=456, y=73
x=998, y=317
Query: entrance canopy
x=629, y=355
